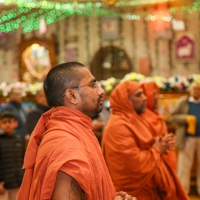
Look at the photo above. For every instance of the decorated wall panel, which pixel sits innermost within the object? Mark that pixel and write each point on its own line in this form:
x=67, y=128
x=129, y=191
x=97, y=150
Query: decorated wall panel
x=80, y=38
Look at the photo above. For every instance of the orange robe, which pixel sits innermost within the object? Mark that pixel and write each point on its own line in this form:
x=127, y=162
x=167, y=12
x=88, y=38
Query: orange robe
x=157, y=122
x=134, y=163
x=63, y=140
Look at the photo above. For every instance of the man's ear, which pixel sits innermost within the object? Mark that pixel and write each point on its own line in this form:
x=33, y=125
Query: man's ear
x=71, y=96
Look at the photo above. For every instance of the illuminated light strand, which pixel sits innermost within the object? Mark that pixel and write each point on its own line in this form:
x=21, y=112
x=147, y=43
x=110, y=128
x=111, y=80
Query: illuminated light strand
x=12, y=14
x=75, y=5
x=80, y=9
x=6, y=27
x=28, y=24
x=10, y=26
x=34, y=23
x=58, y=5
x=139, y=2
x=43, y=5
x=15, y=24
x=52, y=5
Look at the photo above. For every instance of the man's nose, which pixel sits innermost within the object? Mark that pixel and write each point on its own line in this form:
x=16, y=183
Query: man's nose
x=144, y=97
x=101, y=91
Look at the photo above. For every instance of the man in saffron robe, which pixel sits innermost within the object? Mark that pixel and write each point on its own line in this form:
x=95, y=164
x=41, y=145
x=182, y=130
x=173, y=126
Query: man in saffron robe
x=63, y=160
x=156, y=121
x=128, y=138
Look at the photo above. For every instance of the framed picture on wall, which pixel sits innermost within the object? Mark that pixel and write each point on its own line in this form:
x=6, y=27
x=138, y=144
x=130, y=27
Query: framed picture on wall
x=110, y=29
x=185, y=47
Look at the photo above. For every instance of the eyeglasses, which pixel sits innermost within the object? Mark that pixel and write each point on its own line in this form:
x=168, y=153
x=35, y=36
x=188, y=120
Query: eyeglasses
x=95, y=85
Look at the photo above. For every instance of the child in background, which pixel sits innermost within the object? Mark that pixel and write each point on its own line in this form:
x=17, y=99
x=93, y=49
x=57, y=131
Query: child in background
x=12, y=149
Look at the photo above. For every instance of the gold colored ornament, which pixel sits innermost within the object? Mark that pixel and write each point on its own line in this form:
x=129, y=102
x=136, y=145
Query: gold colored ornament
x=110, y=2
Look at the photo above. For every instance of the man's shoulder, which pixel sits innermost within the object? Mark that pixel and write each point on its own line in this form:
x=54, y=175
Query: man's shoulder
x=60, y=139
x=62, y=147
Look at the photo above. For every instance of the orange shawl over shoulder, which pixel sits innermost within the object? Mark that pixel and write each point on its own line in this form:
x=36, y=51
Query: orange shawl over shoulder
x=63, y=140
x=134, y=163
x=156, y=121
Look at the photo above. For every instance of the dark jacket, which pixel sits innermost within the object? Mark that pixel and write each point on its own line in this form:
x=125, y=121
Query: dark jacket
x=11, y=106
x=12, y=150
x=34, y=116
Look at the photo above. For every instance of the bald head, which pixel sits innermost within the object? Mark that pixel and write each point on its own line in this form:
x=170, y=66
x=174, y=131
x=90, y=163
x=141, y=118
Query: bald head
x=59, y=78
x=195, y=90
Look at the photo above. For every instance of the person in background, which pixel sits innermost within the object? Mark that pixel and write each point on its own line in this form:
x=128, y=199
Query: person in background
x=63, y=160
x=133, y=152
x=35, y=114
x=156, y=121
x=15, y=106
x=99, y=122
x=186, y=115
x=12, y=149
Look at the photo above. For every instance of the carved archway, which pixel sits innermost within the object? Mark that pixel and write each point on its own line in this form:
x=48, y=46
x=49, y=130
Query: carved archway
x=26, y=68
x=110, y=62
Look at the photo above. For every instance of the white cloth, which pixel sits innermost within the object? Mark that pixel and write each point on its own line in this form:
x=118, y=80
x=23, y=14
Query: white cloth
x=192, y=100
x=10, y=194
x=185, y=161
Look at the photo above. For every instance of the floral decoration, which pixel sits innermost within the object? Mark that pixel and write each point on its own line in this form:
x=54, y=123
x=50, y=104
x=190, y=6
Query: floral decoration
x=173, y=83
x=27, y=89
x=109, y=84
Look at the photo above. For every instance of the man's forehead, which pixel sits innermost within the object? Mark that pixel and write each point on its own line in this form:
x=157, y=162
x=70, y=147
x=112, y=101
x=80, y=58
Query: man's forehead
x=139, y=90
x=87, y=75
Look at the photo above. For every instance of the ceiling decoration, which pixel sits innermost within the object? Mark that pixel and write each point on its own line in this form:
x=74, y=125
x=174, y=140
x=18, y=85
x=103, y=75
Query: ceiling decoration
x=29, y=13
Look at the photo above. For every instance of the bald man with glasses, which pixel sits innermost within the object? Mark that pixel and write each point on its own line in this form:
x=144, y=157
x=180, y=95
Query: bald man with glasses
x=63, y=160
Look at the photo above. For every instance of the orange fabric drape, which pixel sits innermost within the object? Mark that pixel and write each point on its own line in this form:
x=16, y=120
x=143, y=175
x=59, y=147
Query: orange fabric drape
x=63, y=140
x=156, y=121
x=134, y=163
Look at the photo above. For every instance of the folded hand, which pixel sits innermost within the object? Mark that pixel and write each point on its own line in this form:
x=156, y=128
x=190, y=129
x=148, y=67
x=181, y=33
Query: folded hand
x=123, y=196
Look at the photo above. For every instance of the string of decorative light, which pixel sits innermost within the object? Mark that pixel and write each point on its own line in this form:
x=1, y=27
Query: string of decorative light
x=124, y=3
x=13, y=13
x=58, y=5
x=77, y=6
x=12, y=19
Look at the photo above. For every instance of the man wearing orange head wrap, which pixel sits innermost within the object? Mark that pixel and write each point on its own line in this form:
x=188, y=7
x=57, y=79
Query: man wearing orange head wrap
x=132, y=153
x=156, y=121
